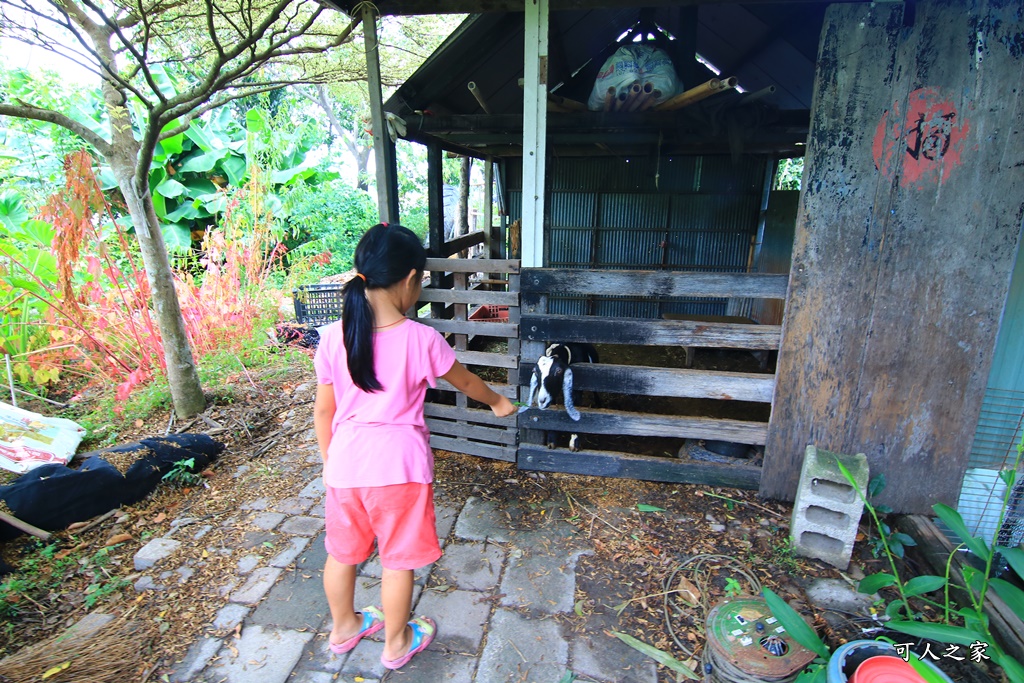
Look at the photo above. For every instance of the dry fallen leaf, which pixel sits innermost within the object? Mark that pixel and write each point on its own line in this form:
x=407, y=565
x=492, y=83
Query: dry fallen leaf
x=159, y=518
x=117, y=538
x=688, y=592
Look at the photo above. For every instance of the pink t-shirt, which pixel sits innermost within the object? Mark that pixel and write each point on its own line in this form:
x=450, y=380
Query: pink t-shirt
x=380, y=438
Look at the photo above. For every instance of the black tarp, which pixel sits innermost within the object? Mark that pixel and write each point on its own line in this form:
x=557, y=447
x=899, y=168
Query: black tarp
x=53, y=496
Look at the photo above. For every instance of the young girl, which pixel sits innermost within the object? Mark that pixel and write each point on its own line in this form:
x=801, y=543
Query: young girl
x=373, y=368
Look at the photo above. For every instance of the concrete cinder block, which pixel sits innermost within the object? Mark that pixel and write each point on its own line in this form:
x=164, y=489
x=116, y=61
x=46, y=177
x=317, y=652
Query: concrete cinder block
x=827, y=509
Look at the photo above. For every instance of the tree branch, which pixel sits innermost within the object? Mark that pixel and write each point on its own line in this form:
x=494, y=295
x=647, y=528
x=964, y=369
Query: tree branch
x=28, y=111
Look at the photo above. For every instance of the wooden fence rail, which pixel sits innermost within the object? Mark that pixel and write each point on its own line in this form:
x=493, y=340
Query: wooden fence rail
x=539, y=328
x=464, y=287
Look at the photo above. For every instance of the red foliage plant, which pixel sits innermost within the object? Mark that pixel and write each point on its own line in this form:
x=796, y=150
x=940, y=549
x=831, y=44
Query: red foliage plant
x=98, y=316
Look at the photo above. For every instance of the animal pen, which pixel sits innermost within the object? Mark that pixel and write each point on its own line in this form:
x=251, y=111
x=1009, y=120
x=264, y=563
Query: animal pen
x=655, y=233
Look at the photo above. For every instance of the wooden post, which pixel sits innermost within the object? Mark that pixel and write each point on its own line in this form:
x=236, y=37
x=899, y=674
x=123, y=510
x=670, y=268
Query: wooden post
x=535, y=120
x=435, y=216
x=383, y=147
x=490, y=244
x=905, y=241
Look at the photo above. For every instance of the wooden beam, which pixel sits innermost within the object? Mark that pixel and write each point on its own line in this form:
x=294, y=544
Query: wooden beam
x=465, y=242
x=385, y=163
x=475, y=265
x=466, y=415
x=626, y=466
x=650, y=283
x=649, y=332
x=461, y=430
x=598, y=121
x=483, y=450
x=483, y=328
x=414, y=7
x=469, y=296
x=675, y=382
x=535, y=123
x=643, y=424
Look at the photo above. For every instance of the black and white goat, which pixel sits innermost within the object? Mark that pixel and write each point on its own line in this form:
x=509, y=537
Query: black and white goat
x=552, y=377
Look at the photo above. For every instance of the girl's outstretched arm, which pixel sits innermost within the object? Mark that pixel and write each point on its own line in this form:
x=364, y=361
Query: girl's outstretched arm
x=474, y=387
x=323, y=416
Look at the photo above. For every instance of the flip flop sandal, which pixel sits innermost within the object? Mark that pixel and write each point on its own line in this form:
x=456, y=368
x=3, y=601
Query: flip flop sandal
x=373, y=621
x=423, y=631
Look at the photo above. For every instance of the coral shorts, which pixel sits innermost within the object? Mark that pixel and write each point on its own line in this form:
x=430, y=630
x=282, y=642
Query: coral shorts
x=400, y=517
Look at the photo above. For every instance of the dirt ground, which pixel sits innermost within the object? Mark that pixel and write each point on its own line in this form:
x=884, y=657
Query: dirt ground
x=639, y=552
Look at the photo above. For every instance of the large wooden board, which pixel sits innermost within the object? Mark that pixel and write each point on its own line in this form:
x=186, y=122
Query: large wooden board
x=677, y=382
x=642, y=424
x=652, y=283
x=649, y=468
x=905, y=241
x=649, y=332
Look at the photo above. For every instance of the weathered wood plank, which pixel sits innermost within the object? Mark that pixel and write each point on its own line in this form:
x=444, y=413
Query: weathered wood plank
x=649, y=332
x=472, y=265
x=649, y=468
x=641, y=424
x=469, y=296
x=467, y=414
x=483, y=450
x=493, y=360
x=905, y=242
x=507, y=390
x=464, y=242
x=677, y=382
x=471, y=327
x=654, y=283
x=505, y=437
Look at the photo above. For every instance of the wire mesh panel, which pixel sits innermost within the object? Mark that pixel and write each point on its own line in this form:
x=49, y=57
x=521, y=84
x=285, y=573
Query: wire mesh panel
x=984, y=492
x=475, y=304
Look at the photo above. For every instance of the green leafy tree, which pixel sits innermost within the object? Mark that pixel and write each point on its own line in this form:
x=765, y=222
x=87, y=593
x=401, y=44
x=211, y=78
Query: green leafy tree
x=229, y=50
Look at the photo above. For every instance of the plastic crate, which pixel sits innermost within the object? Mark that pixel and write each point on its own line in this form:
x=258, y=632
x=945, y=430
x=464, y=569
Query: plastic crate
x=317, y=304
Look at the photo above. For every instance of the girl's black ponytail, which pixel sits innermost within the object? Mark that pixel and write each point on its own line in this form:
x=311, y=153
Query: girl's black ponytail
x=384, y=256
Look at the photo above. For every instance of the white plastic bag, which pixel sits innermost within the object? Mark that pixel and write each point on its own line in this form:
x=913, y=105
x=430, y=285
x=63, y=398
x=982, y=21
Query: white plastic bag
x=635, y=64
x=28, y=439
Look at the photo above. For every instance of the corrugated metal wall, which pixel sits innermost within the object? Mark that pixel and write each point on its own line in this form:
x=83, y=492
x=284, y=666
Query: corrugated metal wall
x=676, y=213
x=776, y=252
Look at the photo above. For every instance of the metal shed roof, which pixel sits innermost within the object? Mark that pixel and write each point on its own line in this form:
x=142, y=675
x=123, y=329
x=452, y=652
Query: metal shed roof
x=761, y=44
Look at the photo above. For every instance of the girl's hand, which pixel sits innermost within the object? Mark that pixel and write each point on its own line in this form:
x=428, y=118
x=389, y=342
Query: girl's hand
x=503, y=408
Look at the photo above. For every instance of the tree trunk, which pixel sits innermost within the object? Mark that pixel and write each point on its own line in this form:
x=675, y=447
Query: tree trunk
x=362, y=160
x=186, y=390
x=462, y=217
x=182, y=376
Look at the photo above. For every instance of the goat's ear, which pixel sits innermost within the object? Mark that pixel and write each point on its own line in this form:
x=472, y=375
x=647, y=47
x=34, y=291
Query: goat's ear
x=567, y=396
x=534, y=381
x=557, y=369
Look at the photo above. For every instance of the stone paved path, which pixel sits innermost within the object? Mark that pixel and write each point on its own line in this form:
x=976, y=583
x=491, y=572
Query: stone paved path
x=498, y=615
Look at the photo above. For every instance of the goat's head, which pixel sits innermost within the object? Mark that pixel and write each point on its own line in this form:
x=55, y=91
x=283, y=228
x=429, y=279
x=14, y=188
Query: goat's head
x=551, y=373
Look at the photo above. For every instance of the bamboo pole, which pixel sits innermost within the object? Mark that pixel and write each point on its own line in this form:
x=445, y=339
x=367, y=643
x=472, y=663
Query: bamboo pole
x=758, y=94
x=641, y=96
x=609, y=99
x=24, y=526
x=566, y=102
x=651, y=101
x=471, y=86
x=698, y=93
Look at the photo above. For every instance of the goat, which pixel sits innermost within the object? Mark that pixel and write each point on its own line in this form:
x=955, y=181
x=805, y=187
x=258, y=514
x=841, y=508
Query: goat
x=552, y=377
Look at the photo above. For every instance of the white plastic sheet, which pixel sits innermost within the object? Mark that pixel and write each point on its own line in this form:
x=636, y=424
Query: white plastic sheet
x=635, y=64
x=28, y=439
